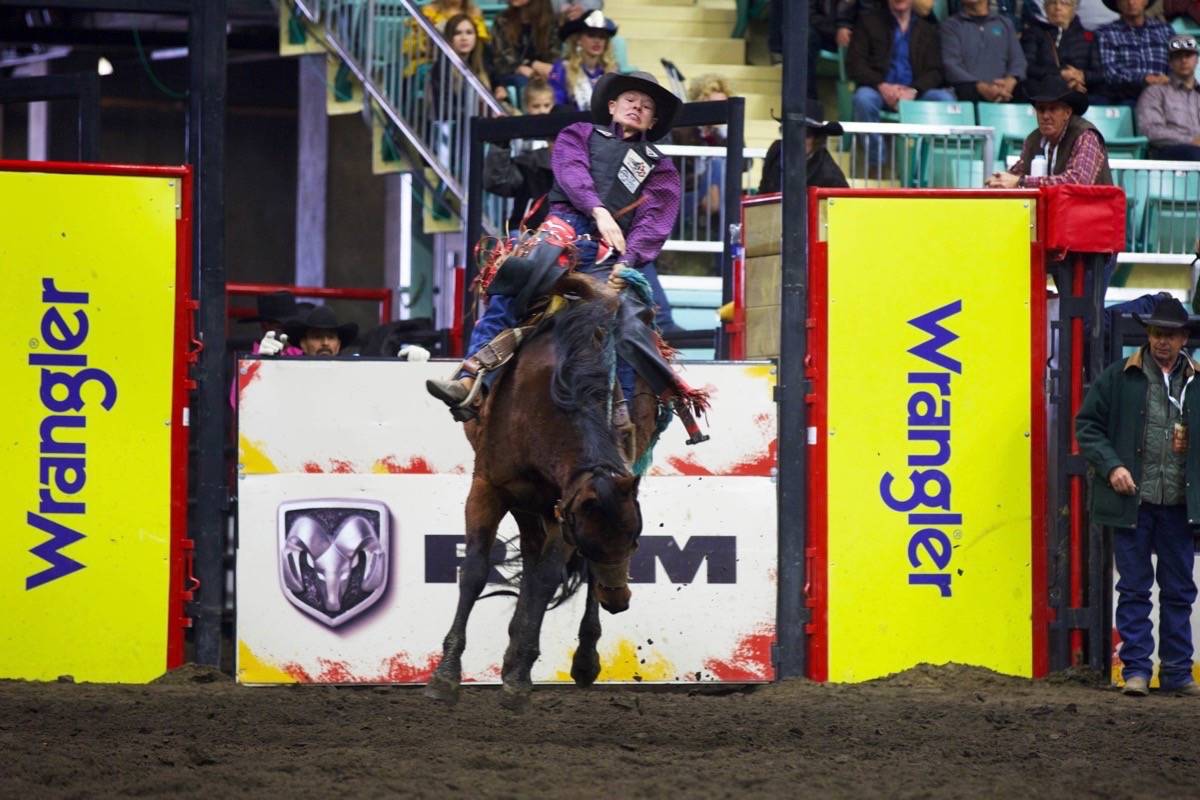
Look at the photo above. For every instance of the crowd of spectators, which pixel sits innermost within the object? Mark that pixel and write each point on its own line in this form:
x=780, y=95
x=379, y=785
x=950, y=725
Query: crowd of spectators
x=1116, y=52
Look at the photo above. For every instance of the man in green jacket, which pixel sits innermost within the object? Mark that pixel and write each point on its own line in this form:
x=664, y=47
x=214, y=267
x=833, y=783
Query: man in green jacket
x=1138, y=430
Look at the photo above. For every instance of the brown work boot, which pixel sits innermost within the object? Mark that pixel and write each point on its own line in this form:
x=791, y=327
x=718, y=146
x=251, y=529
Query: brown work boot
x=1191, y=689
x=450, y=392
x=626, y=433
x=1136, y=686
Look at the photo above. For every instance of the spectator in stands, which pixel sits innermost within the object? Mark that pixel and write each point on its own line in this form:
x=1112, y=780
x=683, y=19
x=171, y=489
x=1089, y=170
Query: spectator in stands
x=524, y=44
x=587, y=56
x=1065, y=148
x=1061, y=45
x=569, y=10
x=439, y=13
x=1169, y=114
x=1135, y=429
x=894, y=55
x=820, y=167
x=521, y=169
x=1172, y=9
x=704, y=178
x=1133, y=51
x=981, y=54
x=462, y=34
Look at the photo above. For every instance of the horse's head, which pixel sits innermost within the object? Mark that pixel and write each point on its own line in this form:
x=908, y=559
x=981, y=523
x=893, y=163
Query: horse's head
x=602, y=518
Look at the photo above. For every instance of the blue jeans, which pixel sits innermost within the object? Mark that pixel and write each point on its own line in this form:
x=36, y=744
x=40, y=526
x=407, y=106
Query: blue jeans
x=1162, y=530
x=868, y=104
x=499, y=314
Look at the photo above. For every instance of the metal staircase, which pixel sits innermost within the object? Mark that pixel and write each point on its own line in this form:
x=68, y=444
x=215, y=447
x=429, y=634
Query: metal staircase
x=411, y=78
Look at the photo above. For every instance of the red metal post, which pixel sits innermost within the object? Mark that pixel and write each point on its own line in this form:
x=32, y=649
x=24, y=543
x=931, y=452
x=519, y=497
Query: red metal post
x=1076, y=537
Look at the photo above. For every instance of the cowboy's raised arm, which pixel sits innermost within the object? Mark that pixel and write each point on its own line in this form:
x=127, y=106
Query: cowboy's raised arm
x=570, y=161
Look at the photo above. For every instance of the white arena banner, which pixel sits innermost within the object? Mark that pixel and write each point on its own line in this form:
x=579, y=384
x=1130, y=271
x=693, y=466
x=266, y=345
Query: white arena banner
x=353, y=454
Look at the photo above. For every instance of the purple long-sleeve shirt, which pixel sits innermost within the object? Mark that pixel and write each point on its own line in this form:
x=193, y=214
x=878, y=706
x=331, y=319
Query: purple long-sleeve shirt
x=653, y=220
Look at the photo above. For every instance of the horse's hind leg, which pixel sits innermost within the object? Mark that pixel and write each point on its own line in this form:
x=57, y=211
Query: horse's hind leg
x=541, y=577
x=484, y=510
x=585, y=666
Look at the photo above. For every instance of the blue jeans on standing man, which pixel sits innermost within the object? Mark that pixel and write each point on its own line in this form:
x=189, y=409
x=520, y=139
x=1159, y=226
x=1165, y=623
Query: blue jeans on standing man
x=868, y=105
x=1164, y=531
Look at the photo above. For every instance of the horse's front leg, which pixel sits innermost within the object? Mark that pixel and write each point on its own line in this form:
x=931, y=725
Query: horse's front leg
x=542, y=575
x=485, y=508
x=585, y=666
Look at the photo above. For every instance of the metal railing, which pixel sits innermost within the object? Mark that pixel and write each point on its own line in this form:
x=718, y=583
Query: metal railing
x=1162, y=209
x=890, y=155
x=420, y=86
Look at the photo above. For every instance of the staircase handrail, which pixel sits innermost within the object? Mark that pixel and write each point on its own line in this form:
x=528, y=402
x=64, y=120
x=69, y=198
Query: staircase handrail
x=351, y=30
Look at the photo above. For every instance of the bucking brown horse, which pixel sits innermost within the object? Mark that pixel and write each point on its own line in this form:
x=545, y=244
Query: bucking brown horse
x=546, y=452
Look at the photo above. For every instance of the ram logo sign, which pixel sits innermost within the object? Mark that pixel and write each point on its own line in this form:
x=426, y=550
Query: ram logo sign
x=333, y=557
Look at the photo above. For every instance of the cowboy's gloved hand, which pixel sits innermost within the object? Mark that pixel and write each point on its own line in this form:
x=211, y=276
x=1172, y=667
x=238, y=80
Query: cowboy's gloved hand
x=413, y=352
x=271, y=346
x=615, y=279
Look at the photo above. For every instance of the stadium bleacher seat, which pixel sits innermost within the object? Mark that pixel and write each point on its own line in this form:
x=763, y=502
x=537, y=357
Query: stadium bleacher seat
x=1172, y=207
x=1012, y=123
x=1115, y=124
x=924, y=112
x=940, y=164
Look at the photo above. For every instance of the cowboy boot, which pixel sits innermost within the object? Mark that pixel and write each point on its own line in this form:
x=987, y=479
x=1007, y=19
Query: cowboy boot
x=624, y=428
x=452, y=391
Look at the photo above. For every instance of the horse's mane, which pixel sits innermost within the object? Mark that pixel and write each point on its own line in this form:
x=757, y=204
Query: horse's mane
x=581, y=384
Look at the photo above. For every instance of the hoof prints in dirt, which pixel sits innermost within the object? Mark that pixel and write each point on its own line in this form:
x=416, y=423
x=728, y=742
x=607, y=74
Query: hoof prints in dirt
x=930, y=731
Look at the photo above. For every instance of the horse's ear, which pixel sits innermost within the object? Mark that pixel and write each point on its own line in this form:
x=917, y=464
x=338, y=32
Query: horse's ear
x=629, y=484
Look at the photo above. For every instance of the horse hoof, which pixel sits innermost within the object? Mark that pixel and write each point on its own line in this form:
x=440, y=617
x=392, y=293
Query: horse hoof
x=442, y=690
x=614, y=601
x=515, y=700
x=584, y=673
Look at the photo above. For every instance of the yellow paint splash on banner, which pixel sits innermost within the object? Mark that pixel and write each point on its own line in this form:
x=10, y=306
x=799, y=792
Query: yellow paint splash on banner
x=624, y=662
x=252, y=669
x=252, y=459
x=765, y=372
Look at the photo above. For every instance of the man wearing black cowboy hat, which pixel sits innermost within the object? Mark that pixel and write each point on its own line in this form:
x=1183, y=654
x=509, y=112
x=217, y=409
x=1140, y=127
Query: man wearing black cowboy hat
x=318, y=332
x=820, y=167
x=615, y=200
x=1065, y=148
x=1138, y=430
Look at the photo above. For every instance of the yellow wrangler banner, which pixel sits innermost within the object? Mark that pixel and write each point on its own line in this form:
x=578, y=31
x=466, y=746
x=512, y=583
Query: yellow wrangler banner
x=92, y=416
x=933, y=437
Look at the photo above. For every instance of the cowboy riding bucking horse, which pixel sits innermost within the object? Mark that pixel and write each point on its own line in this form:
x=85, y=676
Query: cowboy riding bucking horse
x=613, y=205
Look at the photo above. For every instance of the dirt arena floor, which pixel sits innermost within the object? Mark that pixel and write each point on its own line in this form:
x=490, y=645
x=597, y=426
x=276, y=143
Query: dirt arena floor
x=929, y=732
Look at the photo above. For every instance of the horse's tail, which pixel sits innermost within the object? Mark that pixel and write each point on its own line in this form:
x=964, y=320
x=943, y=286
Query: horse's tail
x=574, y=575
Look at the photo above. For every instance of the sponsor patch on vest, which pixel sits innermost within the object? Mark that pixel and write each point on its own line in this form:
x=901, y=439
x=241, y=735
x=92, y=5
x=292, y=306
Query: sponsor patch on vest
x=634, y=170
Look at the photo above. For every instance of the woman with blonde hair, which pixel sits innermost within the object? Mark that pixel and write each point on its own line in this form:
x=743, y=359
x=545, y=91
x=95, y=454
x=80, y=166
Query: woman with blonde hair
x=588, y=57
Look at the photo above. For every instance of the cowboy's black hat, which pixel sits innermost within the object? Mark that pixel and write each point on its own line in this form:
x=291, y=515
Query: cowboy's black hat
x=274, y=307
x=595, y=22
x=815, y=122
x=1167, y=313
x=612, y=85
x=1053, y=89
x=321, y=317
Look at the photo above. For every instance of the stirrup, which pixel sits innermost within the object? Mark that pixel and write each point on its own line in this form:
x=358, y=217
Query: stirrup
x=467, y=410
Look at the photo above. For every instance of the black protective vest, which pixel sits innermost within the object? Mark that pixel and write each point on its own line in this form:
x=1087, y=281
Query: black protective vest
x=619, y=171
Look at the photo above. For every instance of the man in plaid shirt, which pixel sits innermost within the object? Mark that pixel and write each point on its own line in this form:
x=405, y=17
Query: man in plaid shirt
x=1133, y=51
